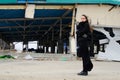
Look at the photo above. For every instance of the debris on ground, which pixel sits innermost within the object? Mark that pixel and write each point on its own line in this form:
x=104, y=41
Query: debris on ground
x=28, y=57
x=7, y=57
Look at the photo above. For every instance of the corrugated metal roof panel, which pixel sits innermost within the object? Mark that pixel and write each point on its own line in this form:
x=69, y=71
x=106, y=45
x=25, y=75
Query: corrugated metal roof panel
x=8, y=1
x=117, y=2
x=85, y=1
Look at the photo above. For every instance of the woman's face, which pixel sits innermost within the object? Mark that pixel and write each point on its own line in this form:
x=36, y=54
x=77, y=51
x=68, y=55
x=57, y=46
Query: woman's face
x=83, y=19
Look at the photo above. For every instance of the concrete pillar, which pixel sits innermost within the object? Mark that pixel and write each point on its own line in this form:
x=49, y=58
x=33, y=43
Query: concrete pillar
x=60, y=46
x=7, y=45
x=12, y=46
x=52, y=46
x=0, y=43
x=25, y=44
x=47, y=48
x=27, y=47
x=60, y=42
x=73, y=37
x=3, y=45
x=43, y=49
x=38, y=44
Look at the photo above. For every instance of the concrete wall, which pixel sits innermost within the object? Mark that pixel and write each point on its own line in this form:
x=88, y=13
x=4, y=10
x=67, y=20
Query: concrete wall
x=100, y=15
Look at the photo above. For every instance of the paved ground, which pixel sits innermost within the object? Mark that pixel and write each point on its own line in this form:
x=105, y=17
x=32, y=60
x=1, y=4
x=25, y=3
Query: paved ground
x=56, y=70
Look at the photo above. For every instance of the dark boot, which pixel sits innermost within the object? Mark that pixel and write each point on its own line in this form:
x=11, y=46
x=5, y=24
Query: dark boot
x=83, y=73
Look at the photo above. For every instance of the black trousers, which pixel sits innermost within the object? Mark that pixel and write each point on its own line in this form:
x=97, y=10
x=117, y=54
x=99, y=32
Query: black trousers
x=87, y=63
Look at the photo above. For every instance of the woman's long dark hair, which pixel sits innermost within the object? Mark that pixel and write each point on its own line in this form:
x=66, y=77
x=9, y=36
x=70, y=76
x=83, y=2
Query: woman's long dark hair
x=91, y=29
x=86, y=18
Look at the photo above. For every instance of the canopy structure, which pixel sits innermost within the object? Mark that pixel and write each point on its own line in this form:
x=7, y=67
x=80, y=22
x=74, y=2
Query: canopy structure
x=50, y=25
x=114, y=2
x=46, y=24
x=53, y=20
x=14, y=25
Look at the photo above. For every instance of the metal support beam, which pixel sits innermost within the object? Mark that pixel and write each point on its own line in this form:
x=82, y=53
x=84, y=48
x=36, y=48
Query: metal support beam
x=67, y=12
x=37, y=6
x=52, y=34
x=111, y=8
x=60, y=34
x=5, y=27
x=41, y=18
x=60, y=41
x=73, y=21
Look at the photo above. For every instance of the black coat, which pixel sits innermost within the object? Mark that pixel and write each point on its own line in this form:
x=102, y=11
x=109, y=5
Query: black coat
x=83, y=38
x=83, y=31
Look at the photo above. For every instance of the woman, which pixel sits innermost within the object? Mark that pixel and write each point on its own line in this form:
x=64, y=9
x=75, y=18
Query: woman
x=84, y=35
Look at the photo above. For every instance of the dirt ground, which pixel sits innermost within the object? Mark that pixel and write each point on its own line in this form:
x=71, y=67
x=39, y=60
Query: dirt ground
x=56, y=70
